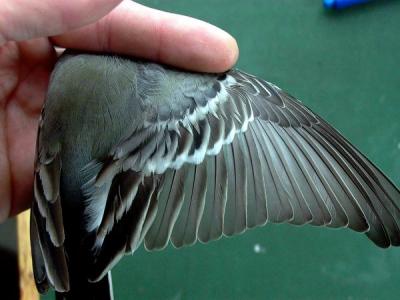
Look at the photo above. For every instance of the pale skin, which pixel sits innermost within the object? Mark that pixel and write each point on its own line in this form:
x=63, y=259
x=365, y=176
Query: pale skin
x=29, y=30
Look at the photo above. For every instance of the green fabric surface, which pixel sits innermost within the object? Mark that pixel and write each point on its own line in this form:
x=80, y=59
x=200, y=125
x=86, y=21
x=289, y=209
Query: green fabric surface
x=343, y=65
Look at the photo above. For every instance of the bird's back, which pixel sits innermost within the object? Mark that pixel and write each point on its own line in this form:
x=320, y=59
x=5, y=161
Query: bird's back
x=87, y=123
x=81, y=125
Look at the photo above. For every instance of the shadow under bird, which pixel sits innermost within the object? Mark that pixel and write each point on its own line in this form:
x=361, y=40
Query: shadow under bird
x=130, y=151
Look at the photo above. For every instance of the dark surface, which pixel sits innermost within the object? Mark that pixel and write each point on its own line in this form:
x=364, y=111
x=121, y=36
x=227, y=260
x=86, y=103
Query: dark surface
x=8, y=261
x=9, y=275
x=345, y=66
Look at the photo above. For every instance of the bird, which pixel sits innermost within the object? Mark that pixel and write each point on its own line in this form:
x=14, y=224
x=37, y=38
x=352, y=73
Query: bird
x=132, y=152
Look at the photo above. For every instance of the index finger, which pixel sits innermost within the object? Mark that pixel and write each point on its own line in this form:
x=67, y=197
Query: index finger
x=133, y=29
x=27, y=19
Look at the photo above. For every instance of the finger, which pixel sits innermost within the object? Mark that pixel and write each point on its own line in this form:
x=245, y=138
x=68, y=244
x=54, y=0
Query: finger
x=5, y=180
x=27, y=19
x=134, y=29
x=36, y=60
x=24, y=79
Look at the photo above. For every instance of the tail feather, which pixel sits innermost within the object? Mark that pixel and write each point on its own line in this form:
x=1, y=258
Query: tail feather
x=101, y=290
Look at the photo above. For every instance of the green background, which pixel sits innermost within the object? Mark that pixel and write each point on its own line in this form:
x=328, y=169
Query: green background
x=345, y=66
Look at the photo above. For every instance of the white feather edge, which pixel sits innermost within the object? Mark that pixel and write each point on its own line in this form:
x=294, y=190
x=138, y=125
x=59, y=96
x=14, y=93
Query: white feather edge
x=158, y=165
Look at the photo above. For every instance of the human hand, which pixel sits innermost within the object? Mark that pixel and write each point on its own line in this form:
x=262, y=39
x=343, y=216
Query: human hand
x=29, y=30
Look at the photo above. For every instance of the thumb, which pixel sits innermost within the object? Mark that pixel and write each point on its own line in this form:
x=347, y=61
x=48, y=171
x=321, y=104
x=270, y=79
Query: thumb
x=27, y=19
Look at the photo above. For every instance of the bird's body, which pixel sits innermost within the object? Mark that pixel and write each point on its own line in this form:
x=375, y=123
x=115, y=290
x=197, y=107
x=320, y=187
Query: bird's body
x=131, y=151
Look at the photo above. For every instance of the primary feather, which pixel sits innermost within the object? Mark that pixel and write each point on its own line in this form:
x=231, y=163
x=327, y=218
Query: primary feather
x=131, y=151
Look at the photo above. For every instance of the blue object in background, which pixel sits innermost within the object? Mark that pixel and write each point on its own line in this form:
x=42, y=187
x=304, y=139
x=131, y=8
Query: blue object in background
x=339, y=4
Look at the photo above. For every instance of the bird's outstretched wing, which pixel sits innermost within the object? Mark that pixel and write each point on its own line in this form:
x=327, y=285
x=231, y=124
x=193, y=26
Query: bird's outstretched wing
x=218, y=154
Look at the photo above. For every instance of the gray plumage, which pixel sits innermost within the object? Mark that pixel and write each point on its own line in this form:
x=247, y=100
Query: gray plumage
x=130, y=151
